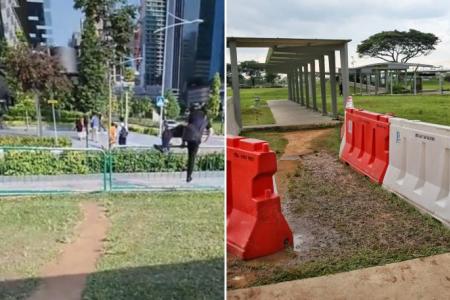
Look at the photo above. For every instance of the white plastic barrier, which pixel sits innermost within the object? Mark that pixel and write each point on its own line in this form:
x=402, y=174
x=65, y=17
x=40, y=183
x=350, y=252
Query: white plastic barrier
x=419, y=165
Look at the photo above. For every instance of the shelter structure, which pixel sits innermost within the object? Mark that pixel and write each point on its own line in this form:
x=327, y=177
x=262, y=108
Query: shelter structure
x=301, y=60
x=381, y=78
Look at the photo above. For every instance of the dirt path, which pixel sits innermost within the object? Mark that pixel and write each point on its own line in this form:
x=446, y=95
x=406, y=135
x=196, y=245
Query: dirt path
x=65, y=277
x=424, y=278
x=339, y=221
x=299, y=143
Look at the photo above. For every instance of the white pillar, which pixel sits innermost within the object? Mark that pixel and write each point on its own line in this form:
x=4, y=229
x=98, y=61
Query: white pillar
x=323, y=90
x=235, y=83
x=344, y=72
x=332, y=67
x=313, y=84
x=302, y=92
x=306, y=75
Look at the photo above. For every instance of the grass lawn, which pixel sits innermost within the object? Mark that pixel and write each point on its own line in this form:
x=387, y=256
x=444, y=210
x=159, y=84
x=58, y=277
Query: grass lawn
x=276, y=140
x=218, y=127
x=31, y=232
x=433, y=84
x=427, y=108
x=252, y=115
x=162, y=246
x=159, y=245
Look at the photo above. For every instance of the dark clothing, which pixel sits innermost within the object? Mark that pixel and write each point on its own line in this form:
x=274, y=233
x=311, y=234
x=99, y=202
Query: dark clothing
x=192, y=154
x=122, y=140
x=190, y=133
x=168, y=134
x=79, y=126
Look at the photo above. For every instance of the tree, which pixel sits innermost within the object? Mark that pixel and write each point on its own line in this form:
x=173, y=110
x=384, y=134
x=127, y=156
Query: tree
x=92, y=81
x=172, y=108
x=252, y=69
x=398, y=46
x=122, y=29
x=271, y=77
x=36, y=72
x=213, y=106
x=116, y=19
x=140, y=106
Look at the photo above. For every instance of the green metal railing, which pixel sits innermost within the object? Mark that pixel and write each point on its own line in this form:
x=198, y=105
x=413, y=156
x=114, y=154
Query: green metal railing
x=32, y=170
x=25, y=170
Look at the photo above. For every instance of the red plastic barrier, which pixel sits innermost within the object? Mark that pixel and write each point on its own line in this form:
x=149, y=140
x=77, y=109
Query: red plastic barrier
x=367, y=143
x=255, y=225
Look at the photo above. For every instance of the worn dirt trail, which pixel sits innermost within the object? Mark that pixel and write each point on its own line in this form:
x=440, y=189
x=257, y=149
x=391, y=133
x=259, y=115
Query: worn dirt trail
x=65, y=277
x=299, y=143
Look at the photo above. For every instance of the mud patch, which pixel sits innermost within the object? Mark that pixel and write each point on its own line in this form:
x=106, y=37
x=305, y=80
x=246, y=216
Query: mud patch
x=341, y=222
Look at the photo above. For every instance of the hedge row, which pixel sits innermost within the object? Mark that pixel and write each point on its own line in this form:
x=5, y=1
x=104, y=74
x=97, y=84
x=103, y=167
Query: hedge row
x=143, y=130
x=124, y=161
x=32, y=141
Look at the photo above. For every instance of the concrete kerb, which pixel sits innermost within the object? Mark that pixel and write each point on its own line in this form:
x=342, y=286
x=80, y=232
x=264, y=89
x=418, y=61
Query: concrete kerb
x=286, y=128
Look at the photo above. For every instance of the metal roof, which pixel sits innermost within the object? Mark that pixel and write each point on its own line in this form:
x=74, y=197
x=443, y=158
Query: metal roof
x=284, y=52
x=388, y=66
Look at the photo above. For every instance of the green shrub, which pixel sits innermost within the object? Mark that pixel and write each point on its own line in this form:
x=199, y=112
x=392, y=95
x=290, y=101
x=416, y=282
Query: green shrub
x=32, y=141
x=39, y=162
x=143, y=130
x=69, y=116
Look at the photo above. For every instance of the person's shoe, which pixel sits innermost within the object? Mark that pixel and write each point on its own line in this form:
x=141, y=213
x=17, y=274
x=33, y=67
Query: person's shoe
x=189, y=179
x=161, y=149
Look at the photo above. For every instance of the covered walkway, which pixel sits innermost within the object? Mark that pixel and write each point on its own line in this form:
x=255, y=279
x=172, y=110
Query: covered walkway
x=289, y=114
x=302, y=60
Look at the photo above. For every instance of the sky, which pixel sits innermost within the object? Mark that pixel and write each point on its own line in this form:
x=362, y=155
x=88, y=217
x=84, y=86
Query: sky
x=339, y=19
x=66, y=20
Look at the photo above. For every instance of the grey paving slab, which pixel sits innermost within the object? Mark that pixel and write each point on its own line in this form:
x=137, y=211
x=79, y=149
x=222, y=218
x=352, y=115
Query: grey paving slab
x=290, y=115
x=119, y=181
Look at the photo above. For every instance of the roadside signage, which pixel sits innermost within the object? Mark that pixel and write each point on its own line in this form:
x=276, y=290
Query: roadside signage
x=160, y=101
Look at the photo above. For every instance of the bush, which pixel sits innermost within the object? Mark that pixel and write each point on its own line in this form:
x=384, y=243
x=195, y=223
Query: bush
x=17, y=113
x=13, y=163
x=32, y=141
x=144, y=130
x=69, y=116
x=447, y=77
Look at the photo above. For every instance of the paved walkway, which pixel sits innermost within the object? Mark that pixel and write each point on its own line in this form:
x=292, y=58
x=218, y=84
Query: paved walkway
x=134, y=139
x=120, y=181
x=290, y=114
x=423, y=278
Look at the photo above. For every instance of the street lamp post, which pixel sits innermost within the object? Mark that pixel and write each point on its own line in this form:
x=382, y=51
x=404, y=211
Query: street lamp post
x=126, y=90
x=182, y=22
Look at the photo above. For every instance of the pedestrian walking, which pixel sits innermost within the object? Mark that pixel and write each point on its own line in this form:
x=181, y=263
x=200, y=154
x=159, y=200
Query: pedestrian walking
x=79, y=128
x=102, y=127
x=112, y=134
x=95, y=125
x=123, y=132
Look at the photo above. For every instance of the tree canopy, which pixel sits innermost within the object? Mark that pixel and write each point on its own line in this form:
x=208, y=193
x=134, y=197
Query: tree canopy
x=398, y=46
x=172, y=109
x=92, y=82
x=116, y=19
x=213, y=106
x=252, y=69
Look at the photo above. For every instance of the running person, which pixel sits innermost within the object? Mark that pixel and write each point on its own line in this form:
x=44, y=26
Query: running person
x=197, y=122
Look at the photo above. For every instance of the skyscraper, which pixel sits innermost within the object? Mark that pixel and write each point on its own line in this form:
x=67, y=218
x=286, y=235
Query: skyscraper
x=36, y=21
x=202, y=48
x=10, y=26
x=153, y=17
x=194, y=52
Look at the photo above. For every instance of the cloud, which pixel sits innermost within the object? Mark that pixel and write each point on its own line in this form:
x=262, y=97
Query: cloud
x=346, y=19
